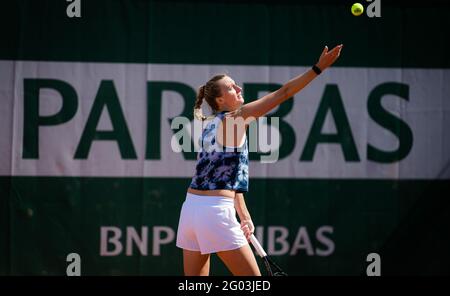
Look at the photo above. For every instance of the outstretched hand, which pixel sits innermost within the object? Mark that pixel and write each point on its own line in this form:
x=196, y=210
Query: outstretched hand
x=327, y=58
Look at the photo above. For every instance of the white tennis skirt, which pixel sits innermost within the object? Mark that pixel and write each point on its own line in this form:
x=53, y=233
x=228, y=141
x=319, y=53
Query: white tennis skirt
x=208, y=224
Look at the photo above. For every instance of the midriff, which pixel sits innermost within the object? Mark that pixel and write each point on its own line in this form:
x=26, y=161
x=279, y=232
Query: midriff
x=218, y=192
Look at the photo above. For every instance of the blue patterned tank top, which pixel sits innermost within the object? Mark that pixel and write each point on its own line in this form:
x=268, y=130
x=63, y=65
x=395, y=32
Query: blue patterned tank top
x=220, y=167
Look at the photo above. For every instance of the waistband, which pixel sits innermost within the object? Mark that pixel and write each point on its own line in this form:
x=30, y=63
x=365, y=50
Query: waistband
x=209, y=199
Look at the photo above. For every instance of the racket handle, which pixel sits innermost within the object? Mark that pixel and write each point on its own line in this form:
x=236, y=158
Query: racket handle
x=257, y=246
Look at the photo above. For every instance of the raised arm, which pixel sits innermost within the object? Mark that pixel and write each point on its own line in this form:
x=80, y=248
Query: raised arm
x=268, y=102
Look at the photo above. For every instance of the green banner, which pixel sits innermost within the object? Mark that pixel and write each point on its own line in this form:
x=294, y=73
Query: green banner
x=312, y=227
x=248, y=33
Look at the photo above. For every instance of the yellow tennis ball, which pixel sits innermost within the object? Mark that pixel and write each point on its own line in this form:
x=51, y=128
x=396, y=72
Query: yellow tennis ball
x=357, y=9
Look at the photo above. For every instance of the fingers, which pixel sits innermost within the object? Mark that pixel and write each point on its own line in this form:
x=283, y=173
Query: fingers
x=324, y=51
x=340, y=48
x=332, y=55
x=337, y=50
x=329, y=57
x=247, y=231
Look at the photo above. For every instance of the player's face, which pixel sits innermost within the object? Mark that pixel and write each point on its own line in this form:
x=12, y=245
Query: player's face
x=231, y=98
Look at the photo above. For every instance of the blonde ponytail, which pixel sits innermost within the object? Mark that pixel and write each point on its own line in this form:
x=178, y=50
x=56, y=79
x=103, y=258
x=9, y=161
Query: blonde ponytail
x=198, y=114
x=208, y=92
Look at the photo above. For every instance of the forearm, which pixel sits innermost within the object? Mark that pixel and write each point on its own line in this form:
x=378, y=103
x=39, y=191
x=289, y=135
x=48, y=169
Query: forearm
x=261, y=106
x=296, y=84
x=241, y=208
x=265, y=104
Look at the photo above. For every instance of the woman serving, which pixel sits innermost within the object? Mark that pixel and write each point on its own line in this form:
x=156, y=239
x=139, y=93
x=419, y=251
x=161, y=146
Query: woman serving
x=208, y=222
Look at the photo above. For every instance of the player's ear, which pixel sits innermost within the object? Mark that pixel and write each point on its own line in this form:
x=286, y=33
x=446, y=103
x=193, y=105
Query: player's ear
x=220, y=100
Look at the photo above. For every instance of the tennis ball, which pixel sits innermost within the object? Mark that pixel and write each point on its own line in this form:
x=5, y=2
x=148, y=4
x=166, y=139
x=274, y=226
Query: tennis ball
x=357, y=9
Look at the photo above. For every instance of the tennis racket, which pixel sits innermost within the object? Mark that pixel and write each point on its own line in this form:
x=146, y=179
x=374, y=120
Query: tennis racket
x=271, y=267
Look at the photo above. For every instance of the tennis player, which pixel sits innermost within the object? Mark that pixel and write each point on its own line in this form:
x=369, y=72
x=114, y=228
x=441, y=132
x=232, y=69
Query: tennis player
x=208, y=222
